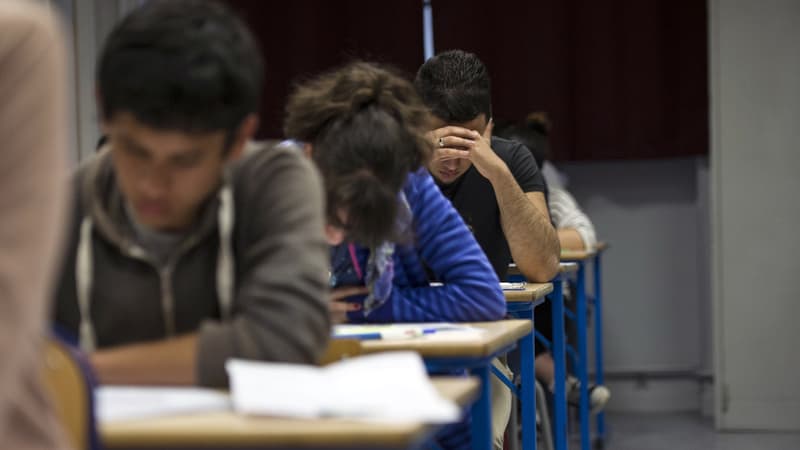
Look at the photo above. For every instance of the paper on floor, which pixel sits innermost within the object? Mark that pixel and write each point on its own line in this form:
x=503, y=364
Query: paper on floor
x=384, y=387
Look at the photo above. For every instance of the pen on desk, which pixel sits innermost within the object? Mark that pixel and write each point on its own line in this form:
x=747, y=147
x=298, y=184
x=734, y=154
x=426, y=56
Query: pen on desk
x=388, y=335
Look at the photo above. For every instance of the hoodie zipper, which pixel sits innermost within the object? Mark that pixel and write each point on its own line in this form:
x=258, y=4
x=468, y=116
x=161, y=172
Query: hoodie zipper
x=165, y=278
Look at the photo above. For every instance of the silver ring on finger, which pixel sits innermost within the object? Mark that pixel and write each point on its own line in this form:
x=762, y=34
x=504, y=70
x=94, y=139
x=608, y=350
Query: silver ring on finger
x=441, y=142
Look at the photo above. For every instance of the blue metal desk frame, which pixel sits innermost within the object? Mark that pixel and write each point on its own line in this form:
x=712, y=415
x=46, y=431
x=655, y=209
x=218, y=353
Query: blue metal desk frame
x=580, y=357
x=558, y=350
x=482, y=436
x=527, y=390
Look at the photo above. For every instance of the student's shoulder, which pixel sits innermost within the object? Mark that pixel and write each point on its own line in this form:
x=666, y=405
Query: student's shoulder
x=263, y=160
x=271, y=174
x=419, y=183
x=520, y=160
x=509, y=150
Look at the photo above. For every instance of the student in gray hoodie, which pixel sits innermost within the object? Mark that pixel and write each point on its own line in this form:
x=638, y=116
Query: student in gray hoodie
x=187, y=245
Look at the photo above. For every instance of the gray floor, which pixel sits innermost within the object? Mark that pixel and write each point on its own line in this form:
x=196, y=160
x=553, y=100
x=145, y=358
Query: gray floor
x=686, y=432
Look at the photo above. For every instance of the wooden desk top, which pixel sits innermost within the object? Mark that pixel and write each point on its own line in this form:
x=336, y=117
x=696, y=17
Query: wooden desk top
x=568, y=267
x=582, y=255
x=533, y=291
x=497, y=335
x=227, y=429
x=577, y=255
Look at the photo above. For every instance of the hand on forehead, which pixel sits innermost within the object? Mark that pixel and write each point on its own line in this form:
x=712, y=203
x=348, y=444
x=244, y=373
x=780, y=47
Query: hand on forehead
x=458, y=131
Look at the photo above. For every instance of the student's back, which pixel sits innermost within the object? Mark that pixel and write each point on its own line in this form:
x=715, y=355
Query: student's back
x=33, y=133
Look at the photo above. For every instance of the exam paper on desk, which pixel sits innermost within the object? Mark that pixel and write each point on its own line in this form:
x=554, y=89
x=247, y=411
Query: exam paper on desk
x=438, y=331
x=115, y=403
x=392, y=386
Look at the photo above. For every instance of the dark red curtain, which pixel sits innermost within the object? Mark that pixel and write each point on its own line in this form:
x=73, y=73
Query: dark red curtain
x=300, y=38
x=620, y=79
x=623, y=79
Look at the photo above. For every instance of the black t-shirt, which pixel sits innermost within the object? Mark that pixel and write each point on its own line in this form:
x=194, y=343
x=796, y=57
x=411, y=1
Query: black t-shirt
x=473, y=197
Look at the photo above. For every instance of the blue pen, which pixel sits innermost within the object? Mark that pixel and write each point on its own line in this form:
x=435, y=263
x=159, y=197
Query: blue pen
x=389, y=334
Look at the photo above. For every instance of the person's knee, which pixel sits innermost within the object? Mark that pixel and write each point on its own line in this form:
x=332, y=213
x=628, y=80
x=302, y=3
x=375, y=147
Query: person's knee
x=501, y=403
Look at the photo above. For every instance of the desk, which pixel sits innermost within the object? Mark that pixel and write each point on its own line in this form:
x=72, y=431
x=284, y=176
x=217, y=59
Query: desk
x=557, y=348
x=497, y=336
x=564, y=267
x=230, y=430
x=532, y=292
x=474, y=353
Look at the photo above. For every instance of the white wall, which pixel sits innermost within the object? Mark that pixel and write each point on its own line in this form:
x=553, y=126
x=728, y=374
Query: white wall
x=87, y=23
x=654, y=214
x=755, y=105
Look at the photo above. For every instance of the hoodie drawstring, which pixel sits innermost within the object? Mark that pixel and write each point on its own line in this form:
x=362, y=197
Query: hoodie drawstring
x=83, y=279
x=84, y=269
x=225, y=263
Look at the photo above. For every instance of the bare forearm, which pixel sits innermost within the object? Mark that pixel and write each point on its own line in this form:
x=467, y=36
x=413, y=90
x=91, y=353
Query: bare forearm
x=170, y=362
x=570, y=239
x=530, y=235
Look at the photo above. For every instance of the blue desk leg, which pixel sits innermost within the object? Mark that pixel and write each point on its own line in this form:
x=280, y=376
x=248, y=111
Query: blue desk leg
x=559, y=361
x=482, y=412
x=528, y=391
x=583, y=372
x=598, y=341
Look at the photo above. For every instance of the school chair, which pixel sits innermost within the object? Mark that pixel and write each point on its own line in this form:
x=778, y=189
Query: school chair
x=70, y=383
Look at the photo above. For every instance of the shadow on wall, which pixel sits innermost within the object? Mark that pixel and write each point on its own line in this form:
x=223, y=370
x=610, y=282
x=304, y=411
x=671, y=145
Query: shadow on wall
x=634, y=183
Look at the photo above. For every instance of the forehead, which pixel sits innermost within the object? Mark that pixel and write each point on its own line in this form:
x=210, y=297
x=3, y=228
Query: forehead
x=126, y=128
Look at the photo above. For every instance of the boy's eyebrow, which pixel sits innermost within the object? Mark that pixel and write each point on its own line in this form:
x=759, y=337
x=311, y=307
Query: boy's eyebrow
x=187, y=153
x=180, y=153
x=127, y=140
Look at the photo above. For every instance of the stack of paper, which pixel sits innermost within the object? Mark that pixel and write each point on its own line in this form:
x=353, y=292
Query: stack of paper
x=385, y=387
x=136, y=402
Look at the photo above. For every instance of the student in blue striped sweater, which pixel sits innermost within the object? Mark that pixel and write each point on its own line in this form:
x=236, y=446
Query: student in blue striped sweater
x=388, y=223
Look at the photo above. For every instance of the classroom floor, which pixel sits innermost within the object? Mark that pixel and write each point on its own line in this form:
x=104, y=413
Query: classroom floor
x=686, y=431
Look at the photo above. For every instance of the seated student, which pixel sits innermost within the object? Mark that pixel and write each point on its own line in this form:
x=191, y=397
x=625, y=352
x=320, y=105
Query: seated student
x=364, y=128
x=493, y=183
x=33, y=162
x=183, y=254
x=575, y=232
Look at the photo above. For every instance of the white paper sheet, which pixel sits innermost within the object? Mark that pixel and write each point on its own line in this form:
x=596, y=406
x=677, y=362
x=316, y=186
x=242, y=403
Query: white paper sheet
x=116, y=403
x=383, y=387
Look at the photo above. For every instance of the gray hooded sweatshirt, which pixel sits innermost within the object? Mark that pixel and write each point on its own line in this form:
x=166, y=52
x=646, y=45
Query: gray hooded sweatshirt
x=249, y=276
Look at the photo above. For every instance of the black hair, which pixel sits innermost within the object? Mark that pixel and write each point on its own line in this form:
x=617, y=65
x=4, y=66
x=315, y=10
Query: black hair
x=186, y=65
x=366, y=125
x=455, y=85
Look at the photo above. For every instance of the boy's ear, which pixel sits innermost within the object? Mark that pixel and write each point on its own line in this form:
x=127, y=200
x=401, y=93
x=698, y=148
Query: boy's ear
x=244, y=134
x=98, y=105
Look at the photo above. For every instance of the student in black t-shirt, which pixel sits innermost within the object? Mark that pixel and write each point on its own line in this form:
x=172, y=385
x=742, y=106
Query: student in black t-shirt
x=494, y=183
